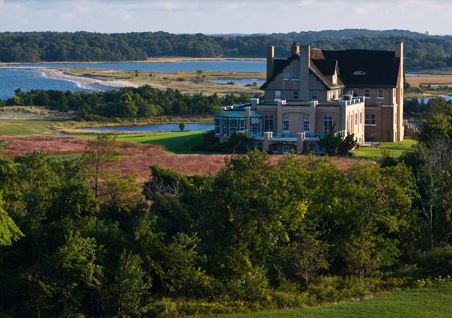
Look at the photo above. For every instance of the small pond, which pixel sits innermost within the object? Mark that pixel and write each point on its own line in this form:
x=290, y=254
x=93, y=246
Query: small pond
x=154, y=128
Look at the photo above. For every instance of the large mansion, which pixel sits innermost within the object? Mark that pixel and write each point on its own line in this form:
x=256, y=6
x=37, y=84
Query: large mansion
x=314, y=90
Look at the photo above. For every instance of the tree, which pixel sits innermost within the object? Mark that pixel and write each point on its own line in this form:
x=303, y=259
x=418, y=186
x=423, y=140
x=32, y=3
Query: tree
x=337, y=144
x=362, y=258
x=309, y=257
x=98, y=154
x=181, y=126
x=130, y=286
x=9, y=232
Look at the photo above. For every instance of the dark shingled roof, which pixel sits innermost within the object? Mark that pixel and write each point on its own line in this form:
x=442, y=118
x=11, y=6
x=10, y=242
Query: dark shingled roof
x=364, y=68
x=356, y=68
x=327, y=66
x=278, y=67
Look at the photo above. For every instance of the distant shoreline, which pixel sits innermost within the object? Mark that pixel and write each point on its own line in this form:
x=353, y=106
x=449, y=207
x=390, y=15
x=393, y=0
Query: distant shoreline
x=149, y=60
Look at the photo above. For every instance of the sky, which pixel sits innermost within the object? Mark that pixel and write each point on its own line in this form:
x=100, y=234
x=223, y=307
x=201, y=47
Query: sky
x=224, y=16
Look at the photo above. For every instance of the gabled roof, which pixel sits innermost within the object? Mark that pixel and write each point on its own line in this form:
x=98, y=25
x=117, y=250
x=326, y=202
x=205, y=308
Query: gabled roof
x=355, y=68
x=278, y=66
x=362, y=68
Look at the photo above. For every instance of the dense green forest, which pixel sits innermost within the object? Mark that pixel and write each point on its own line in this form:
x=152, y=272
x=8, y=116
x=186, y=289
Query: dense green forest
x=126, y=103
x=422, y=51
x=78, y=240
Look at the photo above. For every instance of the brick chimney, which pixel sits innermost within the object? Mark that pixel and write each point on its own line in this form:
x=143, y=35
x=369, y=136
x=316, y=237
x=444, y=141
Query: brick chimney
x=270, y=61
x=295, y=49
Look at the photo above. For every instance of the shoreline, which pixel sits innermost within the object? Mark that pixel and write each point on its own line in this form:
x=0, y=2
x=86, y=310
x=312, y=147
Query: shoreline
x=148, y=60
x=81, y=81
x=85, y=82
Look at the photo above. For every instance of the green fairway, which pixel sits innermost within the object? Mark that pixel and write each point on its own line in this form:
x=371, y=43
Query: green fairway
x=24, y=127
x=176, y=142
x=394, y=149
x=416, y=303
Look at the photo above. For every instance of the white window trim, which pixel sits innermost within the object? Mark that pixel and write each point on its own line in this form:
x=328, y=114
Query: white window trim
x=378, y=94
x=286, y=119
x=286, y=76
x=370, y=121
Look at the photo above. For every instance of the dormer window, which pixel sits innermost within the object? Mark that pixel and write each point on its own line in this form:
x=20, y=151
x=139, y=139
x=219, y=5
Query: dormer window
x=285, y=76
x=359, y=73
x=295, y=76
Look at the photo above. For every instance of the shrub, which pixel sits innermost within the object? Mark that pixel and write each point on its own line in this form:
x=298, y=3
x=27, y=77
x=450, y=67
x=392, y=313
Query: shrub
x=334, y=289
x=437, y=262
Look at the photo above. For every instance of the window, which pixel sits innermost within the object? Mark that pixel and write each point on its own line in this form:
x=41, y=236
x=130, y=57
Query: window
x=296, y=95
x=285, y=76
x=380, y=94
x=233, y=126
x=277, y=94
x=226, y=128
x=356, y=119
x=268, y=123
x=242, y=124
x=217, y=126
x=361, y=118
x=371, y=120
x=359, y=73
x=306, y=125
x=327, y=124
x=367, y=93
x=314, y=96
x=334, y=79
x=286, y=124
x=295, y=76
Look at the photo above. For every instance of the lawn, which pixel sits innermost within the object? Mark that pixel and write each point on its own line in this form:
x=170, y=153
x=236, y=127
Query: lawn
x=394, y=149
x=25, y=127
x=416, y=303
x=176, y=142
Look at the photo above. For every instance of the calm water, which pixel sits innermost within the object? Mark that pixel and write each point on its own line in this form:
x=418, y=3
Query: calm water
x=426, y=74
x=223, y=65
x=12, y=79
x=154, y=128
x=245, y=81
x=427, y=99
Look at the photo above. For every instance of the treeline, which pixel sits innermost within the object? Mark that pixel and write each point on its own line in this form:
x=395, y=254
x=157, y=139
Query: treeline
x=127, y=103
x=76, y=240
x=422, y=51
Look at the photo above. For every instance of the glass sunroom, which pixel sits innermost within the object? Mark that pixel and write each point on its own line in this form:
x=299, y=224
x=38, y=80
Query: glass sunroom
x=230, y=123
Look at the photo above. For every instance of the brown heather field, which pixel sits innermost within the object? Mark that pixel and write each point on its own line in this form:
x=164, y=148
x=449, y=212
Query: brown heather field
x=416, y=81
x=134, y=159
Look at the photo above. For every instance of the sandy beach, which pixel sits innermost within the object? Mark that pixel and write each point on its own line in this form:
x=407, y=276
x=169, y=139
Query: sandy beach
x=85, y=81
x=81, y=81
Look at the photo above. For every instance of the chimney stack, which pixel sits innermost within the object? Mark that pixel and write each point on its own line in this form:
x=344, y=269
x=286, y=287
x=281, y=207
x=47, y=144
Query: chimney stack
x=270, y=61
x=295, y=49
x=400, y=91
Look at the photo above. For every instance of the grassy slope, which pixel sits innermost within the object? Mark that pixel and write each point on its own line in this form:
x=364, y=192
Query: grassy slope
x=25, y=127
x=394, y=149
x=177, y=142
x=417, y=303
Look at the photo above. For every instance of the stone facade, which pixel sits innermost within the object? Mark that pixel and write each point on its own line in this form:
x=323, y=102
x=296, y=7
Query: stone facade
x=306, y=95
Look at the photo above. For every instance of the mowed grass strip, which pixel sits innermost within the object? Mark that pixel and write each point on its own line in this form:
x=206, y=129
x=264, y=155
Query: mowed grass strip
x=394, y=149
x=26, y=127
x=416, y=303
x=175, y=142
